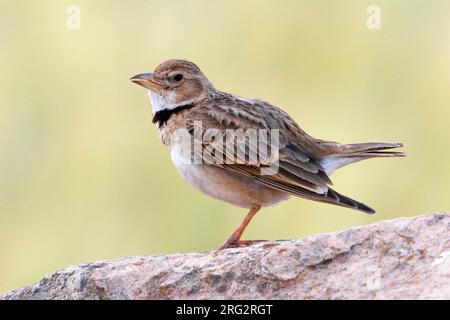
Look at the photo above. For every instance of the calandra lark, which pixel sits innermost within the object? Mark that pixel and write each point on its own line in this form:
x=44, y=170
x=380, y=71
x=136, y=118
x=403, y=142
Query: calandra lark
x=183, y=99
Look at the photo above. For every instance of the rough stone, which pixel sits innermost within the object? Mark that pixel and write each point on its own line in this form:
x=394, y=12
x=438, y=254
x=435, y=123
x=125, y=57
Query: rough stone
x=407, y=258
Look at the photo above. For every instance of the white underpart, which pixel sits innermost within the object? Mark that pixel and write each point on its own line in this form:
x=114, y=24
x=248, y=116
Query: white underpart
x=236, y=189
x=330, y=164
x=164, y=103
x=160, y=103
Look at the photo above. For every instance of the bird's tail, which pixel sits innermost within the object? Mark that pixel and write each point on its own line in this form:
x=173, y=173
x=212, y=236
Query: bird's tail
x=371, y=150
x=350, y=153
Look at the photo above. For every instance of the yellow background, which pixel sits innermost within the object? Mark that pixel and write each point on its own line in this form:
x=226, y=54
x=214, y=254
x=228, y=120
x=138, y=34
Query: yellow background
x=84, y=177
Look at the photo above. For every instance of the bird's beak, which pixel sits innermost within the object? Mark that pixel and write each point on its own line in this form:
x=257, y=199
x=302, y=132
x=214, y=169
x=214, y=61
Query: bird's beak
x=146, y=80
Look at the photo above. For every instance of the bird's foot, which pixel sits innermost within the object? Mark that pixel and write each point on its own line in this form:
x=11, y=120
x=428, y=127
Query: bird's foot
x=239, y=243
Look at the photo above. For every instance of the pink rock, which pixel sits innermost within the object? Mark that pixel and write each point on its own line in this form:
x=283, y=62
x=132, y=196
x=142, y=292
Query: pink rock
x=407, y=258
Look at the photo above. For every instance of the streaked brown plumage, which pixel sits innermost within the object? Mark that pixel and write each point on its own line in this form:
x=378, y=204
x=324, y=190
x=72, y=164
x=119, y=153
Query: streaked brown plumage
x=181, y=96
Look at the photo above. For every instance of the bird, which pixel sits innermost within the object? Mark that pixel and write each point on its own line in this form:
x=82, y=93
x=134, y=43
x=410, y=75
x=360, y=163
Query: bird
x=183, y=99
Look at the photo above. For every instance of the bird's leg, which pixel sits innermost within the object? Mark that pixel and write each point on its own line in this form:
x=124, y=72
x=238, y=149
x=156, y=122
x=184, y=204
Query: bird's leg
x=234, y=240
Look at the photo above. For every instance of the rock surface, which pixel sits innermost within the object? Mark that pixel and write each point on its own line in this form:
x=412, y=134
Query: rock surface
x=406, y=258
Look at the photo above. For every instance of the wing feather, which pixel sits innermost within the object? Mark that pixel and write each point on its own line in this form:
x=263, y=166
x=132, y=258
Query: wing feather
x=299, y=172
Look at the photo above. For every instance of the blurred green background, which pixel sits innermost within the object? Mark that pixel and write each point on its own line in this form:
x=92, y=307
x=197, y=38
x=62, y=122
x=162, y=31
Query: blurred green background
x=84, y=177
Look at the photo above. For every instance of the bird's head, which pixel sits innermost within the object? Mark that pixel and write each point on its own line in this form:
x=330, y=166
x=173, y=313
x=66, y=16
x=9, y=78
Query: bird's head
x=174, y=83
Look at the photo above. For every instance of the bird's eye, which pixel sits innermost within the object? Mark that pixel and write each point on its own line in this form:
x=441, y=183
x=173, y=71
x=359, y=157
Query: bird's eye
x=178, y=77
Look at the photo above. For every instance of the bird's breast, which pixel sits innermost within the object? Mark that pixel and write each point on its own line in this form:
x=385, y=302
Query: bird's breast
x=221, y=184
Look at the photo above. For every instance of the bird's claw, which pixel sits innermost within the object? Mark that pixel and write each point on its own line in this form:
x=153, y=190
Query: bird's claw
x=239, y=244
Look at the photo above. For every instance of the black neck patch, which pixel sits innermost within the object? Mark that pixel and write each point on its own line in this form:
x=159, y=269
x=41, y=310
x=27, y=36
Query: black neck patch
x=161, y=117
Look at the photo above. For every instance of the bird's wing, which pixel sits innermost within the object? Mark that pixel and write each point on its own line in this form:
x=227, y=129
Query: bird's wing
x=296, y=172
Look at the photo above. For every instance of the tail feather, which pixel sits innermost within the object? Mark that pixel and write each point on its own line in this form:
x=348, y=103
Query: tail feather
x=372, y=150
x=350, y=153
x=370, y=147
